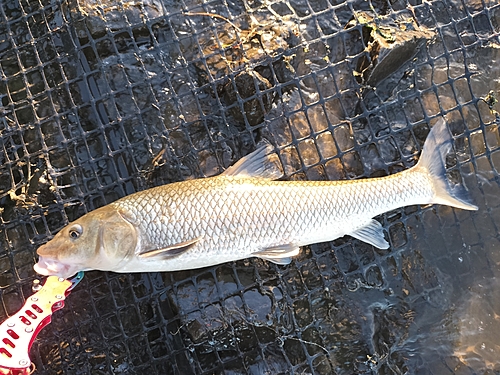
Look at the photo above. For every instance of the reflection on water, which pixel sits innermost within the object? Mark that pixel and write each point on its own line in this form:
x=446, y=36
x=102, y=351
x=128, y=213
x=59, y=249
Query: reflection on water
x=479, y=323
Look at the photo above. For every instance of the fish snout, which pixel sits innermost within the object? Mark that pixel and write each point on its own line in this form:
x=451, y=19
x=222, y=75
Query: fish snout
x=45, y=250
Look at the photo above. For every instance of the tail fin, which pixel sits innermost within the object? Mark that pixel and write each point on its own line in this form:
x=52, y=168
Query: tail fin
x=433, y=159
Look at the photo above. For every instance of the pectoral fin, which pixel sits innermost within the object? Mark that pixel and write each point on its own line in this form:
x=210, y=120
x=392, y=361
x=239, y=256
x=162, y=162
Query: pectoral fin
x=169, y=251
x=372, y=233
x=279, y=254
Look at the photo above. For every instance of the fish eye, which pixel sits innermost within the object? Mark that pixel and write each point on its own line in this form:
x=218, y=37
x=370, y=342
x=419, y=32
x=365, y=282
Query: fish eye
x=75, y=231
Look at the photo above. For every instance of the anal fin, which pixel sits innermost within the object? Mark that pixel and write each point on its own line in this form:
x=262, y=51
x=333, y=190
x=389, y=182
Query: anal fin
x=169, y=251
x=372, y=233
x=281, y=254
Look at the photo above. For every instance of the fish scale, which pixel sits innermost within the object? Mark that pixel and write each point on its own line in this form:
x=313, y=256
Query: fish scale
x=317, y=205
x=242, y=213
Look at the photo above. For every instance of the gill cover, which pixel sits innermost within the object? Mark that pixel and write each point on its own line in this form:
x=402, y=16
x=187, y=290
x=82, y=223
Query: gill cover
x=117, y=238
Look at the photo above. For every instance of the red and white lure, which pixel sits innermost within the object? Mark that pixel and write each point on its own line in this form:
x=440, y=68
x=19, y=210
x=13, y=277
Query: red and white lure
x=18, y=332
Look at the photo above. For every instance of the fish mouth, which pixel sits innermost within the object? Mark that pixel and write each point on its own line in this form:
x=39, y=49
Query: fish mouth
x=52, y=267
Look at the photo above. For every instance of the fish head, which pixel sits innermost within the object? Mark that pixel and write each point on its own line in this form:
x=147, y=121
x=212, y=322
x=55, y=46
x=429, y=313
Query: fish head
x=100, y=240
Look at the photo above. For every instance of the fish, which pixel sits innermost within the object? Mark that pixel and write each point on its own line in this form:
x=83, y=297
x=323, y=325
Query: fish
x=245, y=212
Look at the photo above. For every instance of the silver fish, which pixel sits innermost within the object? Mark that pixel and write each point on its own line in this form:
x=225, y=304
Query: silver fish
x=242, y=213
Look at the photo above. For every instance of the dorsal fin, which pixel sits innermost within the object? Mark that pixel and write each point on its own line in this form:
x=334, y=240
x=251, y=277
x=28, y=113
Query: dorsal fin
x=262, y=163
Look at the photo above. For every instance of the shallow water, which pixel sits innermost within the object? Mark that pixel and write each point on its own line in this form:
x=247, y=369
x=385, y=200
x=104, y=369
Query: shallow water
x=100, y=100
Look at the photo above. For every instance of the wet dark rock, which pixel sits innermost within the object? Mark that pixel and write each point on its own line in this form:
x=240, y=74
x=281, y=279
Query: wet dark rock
x=390, y=44
x=246, y=97
x=390, y=325
x=113, y=15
